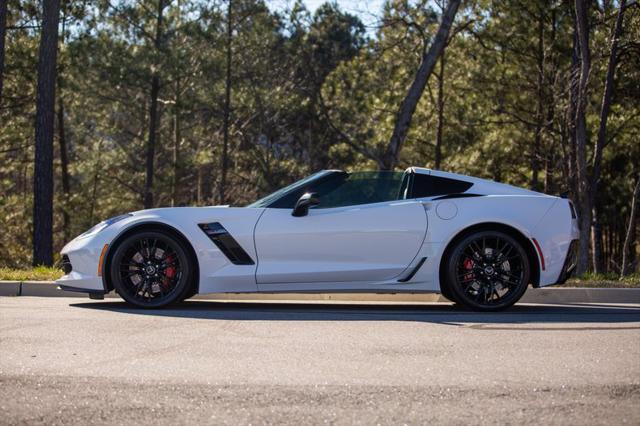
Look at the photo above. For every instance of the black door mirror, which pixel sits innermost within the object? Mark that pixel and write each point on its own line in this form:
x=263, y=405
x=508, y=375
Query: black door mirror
x=302, y=205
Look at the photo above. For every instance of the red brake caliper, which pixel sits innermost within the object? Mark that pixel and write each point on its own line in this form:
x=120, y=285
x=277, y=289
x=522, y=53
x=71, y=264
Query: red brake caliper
x=169, y=272
x=468, y=265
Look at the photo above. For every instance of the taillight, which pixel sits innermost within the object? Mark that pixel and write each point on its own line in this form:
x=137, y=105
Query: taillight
x=535, y=242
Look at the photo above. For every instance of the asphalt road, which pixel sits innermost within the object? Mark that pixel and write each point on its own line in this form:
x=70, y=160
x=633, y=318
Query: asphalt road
x=71, y=361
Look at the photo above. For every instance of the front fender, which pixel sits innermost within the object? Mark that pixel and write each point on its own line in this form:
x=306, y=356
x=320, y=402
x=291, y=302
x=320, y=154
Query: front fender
x=217, y=273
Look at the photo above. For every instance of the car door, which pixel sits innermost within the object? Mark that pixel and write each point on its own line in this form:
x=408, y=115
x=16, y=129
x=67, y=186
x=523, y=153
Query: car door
x=347, y=243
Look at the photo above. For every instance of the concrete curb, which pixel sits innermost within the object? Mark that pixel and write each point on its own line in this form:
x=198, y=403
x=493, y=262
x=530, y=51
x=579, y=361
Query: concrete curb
x=9, y=288
x=45, y=289
x=581, y=295
x=556, y=295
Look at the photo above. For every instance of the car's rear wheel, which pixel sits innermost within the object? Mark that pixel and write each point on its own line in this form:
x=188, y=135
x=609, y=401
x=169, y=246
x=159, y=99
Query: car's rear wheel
x=151, y=269
x=192, y=292
x=487, y=271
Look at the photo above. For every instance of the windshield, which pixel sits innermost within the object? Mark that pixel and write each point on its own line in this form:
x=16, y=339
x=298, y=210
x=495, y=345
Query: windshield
x=266, y=201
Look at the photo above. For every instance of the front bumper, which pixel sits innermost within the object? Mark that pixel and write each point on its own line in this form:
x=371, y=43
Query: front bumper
x=94, y=294
x=80, y=263
x=80, y=282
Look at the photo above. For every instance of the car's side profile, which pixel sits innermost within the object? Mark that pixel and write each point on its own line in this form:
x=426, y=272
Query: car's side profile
x=480, y=243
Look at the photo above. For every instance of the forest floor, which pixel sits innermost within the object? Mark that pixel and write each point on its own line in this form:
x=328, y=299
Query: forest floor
x=43, y=273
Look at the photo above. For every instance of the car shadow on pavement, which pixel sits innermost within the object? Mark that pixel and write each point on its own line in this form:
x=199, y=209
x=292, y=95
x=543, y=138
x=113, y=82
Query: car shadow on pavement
x=441, y=313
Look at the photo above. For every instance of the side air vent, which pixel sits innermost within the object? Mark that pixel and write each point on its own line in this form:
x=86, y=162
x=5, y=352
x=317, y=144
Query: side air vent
x=226, y=243
x=413, y=271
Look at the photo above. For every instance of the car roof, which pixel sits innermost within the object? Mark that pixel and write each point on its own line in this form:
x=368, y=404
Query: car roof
x=484, y=186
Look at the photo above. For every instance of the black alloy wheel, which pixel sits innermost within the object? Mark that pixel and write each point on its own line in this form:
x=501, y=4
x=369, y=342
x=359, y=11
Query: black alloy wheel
x=152, y=269
x=487, y=271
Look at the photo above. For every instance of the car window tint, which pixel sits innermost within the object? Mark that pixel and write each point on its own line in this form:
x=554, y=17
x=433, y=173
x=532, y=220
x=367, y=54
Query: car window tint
x=431, y=186
x=359, y=188
x=289, y=200
x=280, y=194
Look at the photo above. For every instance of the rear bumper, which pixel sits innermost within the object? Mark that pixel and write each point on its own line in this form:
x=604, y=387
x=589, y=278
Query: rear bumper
x=570, y=263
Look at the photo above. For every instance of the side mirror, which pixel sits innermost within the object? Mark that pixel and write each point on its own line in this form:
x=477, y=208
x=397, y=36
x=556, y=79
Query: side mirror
x=302, y=205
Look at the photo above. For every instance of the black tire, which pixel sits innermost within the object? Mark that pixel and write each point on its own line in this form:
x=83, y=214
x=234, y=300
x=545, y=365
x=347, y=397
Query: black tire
x=192, y=292
x=447, y=292
x=152, y=269
x=487, y=271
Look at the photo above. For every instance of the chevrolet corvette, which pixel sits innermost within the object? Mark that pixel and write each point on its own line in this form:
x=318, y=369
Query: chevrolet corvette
x=477, y=242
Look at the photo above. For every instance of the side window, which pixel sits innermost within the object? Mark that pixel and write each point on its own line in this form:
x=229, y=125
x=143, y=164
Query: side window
x=359, y=188
x=289, y=200
x=431, y=186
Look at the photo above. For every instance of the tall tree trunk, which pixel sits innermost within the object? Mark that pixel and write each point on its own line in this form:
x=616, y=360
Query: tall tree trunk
x=62, y=146
x=537, y=137
x=608, y=237
x=582, y=25
x=605, y=108
x=549, y=156
x=177, y=139
x=64, y=166
x=549, y=165
x=626, y=267
x=96, y=178
x=153, y=115
x=3, y=33
x=151, y=142
x=224, y=160
x=571, y=120
x=596, y=242
x=177, y=129
x=440, y=101
x=410, y=102
x=199, y=186
x=45, y=116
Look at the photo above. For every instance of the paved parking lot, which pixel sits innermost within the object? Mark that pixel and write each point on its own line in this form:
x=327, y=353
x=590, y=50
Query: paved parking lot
x=69, y=360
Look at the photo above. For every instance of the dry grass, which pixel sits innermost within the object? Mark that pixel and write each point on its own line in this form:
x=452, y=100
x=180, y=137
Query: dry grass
x=605, y=281
x=39, y=273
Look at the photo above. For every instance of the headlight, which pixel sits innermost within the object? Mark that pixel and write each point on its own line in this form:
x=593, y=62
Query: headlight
x=104, y=224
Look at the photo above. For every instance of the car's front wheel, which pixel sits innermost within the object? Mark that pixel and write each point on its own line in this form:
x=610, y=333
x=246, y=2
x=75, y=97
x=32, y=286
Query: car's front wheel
x=487, y=271
x=151, y=269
